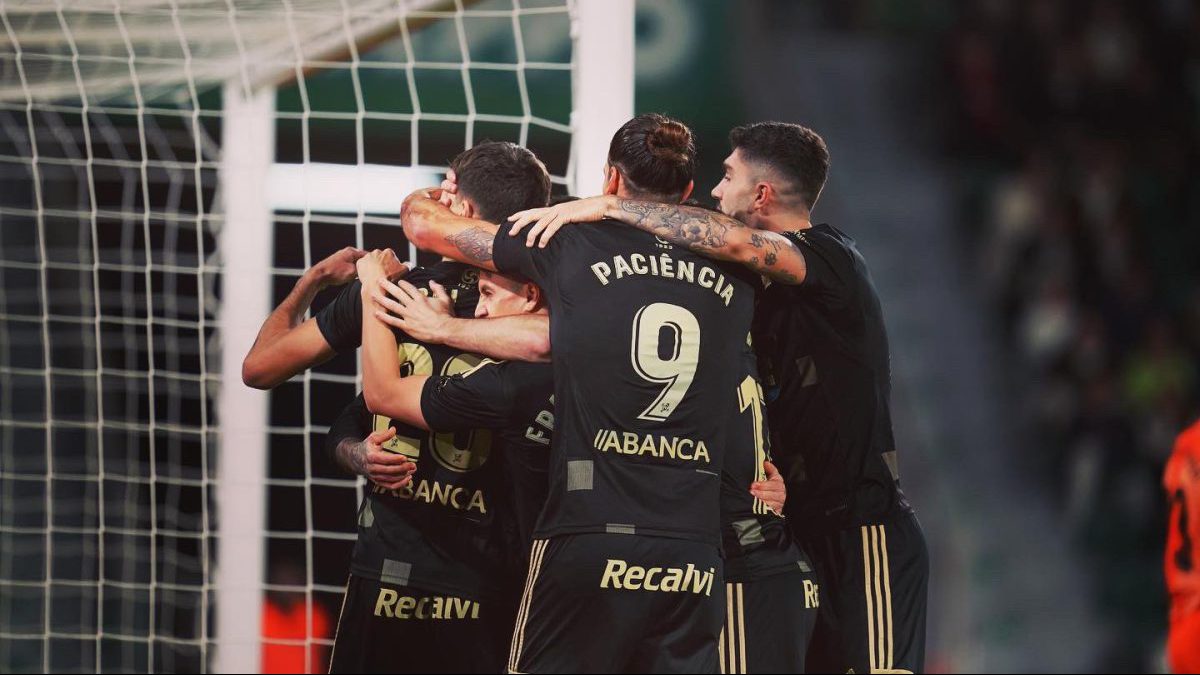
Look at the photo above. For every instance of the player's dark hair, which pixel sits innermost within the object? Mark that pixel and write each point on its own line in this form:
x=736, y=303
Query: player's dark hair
x=707, y=206
x=655, y=154
x=501, y=178
x=797, y=153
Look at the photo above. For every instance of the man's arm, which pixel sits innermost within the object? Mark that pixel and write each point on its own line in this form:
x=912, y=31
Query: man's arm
x=489, y=396
x=385, y=390
x=431, y=226
x=286, y=344
x=365, y=456
x=704, y=232
x=524, y=337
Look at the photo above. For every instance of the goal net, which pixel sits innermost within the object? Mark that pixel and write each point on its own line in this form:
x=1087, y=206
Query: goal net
x=169, y=169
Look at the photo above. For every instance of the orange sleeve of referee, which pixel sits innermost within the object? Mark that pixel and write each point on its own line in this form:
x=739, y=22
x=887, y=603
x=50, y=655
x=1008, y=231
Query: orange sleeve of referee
x=1181, y=480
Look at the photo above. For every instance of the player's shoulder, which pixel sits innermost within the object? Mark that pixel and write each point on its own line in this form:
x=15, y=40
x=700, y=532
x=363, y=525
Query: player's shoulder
x=584, y=241
x=526, y=375
x=606, y=230
x=823, y=236
x=1188, y=442
x=447, y=273
x=418, y=276
x=504, y=388
x=1184, y=462
x=515, y=375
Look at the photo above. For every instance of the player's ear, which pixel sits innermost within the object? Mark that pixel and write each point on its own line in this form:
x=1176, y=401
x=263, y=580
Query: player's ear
x=533, y=297
x=468, y=209
x=612, y=180
x=687, y=192
x=764, y=196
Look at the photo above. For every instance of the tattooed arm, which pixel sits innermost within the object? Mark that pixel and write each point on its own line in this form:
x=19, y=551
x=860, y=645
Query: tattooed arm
x=717, y=236
x=430, y=226
x=705, y=232
x=366, y=456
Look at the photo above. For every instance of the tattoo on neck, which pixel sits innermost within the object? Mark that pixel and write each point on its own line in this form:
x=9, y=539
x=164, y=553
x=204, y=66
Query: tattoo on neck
x=475, y=244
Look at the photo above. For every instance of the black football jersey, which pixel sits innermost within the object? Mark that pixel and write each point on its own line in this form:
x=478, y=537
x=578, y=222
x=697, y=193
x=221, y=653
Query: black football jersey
x=756, y=541
x=826, y=369
x=440, y=533
x=649, y=350
x=516, y=400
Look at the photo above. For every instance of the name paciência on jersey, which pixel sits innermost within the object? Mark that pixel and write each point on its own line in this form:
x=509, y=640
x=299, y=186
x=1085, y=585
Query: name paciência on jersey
x=663, y=265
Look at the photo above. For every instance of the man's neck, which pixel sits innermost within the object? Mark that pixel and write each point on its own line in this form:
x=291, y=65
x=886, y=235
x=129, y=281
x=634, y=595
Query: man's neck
x=784, y=222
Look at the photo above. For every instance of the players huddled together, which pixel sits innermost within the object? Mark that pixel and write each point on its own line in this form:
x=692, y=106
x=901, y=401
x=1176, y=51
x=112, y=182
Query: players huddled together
x=623, y=433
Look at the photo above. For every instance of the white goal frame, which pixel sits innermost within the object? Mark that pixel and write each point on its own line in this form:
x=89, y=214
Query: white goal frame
x=253, y=186
x=140, y=258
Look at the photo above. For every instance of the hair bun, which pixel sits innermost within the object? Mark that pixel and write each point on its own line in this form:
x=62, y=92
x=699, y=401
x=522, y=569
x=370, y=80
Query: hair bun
x=670, y=141
x=655, y=154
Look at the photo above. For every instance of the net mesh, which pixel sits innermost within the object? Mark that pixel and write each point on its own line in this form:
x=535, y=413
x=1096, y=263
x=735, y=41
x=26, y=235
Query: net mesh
x=110, y=260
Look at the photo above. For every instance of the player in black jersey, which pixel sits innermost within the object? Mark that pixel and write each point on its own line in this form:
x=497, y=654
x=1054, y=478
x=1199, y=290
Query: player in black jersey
x=766, y=575
x=513, y=398
x=430, y=550
x=437, y=541
x=650, y=349
x=771, y=588
x=446, y=629
x=823, y=347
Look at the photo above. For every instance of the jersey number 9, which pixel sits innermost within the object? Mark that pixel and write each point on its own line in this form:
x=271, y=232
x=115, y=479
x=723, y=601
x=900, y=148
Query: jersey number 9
x=678, y=368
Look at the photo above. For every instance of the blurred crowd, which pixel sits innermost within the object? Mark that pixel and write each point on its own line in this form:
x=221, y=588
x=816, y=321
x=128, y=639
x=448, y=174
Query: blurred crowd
x=1078, y=125
x=1074, y=126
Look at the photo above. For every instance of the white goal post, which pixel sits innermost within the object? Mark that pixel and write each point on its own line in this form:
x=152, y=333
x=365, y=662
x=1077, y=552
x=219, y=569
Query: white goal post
x=153, y=152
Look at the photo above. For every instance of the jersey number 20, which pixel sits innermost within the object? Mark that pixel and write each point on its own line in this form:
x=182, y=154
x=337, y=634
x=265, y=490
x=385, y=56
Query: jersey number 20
x=455, y=452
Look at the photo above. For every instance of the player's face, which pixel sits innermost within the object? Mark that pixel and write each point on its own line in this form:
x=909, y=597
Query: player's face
x=735, y=193
x=501, y=296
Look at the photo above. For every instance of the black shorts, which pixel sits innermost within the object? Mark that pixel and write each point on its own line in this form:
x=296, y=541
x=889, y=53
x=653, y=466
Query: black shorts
x=768, y=623
x=874, y=582
x=617, y=603
x=399, y=629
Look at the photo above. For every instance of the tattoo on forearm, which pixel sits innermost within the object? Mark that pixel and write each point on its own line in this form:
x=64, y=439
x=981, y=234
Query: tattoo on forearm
x=705, y=232
x=475, y=244
x=696, y=228
x=771, y=246
x=353, y=455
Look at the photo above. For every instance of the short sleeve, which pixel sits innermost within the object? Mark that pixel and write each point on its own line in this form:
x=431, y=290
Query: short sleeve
x=340, y=322
x=478, y=399
x=511, y=255
x=831, y=274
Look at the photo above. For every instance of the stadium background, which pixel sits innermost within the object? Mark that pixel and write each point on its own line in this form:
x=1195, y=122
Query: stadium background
x=1022, y=178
